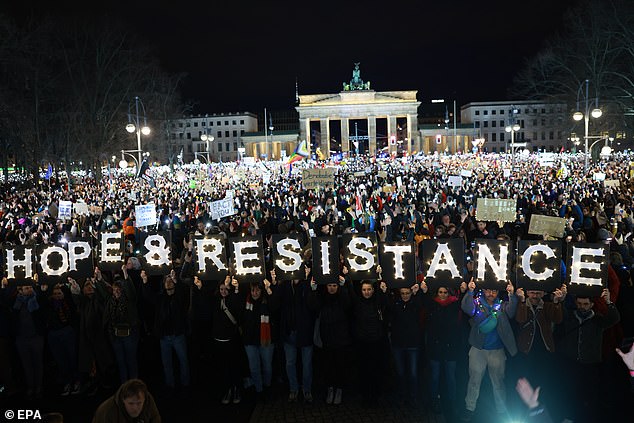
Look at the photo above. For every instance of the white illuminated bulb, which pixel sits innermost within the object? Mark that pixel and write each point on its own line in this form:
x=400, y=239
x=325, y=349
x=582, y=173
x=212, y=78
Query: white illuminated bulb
x=369, y=258
x=578, y=265
x=27, y=263
x=48, y=270
x=158, y=254
x=485, y=256
x=296, y=259
x=74, y=256
x=213, y=254
x=526, y=262
x=325, y=259
x=241, y=257
x=443, y=252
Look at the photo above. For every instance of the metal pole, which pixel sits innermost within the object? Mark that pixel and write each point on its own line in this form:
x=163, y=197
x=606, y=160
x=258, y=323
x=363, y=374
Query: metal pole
x=512, y=146
x=207, y=142
x=266, y=136
x=138, y=129
x=455, y=138
x=586, y=122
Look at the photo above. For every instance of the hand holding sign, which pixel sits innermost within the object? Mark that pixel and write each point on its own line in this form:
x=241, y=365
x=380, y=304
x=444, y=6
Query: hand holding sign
x=379, y=270
x=605, y=294
x=471, y=286
x=144, y=276
x=198, y=282
x=559, y=294
x=383, y=287
x=520, y=295
x=510, y=288
x=415, y=288
x=463, y=287
x=423, y=287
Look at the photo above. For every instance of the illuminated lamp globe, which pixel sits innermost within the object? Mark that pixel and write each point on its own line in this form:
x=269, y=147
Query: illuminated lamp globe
x=526, y=152
x=516, y=127
x=196, y=162
x=606, y=150
x=123, y=164
x=130, y=127
x=508, y=128
x=145, y=130
x=577, y=116
x=596, y=113
x=203, y=137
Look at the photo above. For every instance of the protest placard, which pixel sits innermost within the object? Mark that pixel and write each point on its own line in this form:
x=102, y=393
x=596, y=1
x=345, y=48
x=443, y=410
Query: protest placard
x=81, y=208
x=65, y=209
x=96, y=210
x=316, y=178
x=382, y=174
x=455, y=181
x=145, y=215
x=466, y=173
x=496, y=209
x=222, y=208
x=614, y=183
x=507, y=173
x=550, y=225
x=598, y=176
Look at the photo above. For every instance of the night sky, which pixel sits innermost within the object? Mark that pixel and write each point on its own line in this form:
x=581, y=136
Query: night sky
x=246, y=56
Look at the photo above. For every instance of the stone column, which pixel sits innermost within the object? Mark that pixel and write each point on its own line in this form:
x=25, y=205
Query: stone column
x=303, y=129
x=372, y=135
x=306, y=134
x=324, y=128
x=411, y=131
x=345, y=134
x=391, y=131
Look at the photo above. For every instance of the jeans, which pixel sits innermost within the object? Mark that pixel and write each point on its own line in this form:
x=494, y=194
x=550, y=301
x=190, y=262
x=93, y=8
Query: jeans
x=31, y=352
x=406, y=363
x=479, y=360
x=178, y=344
x=126, y=349
x=450, y=379
x=290, y=350
x=260, y=364
x=62, y=343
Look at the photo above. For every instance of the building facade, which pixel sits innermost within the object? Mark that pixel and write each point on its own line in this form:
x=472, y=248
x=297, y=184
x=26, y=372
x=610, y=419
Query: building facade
x=208, y=137
x=540, y=125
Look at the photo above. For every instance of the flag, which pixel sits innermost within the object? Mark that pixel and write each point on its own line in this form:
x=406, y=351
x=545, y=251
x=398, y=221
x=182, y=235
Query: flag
x=49, y=172
x=144, y=173
x=301, y=151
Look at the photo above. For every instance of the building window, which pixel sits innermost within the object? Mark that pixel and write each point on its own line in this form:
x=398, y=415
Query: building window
x=493, y=124
x=485, y=124
x=189, y=135
x=219, y=134
x=211, y=123
x=195, y=124
x=235, y=146
x=501, y=136
x=477, y=112
x=543, y=121
x=543, y=136
x=486, y=112
x=494, y=137
x=189, y=148
x=189, y=124
x=502, y=112
x=173, y=136
x=534, y=111
x=227, y=134
x=180, y=124
x=543, y=111
x=227, y=146
x=219, y=146
x=233, y=122
x=241, y=121
x=477, y=123
x=492, y=112
x=535, y=135
x=202, y=124
x=180, y=136
x=534, y=122
x=551, y=135
x=526, y=111
x=173, y=125
x=226, y=123
x=559, y=135
x=501, y=124
x=494, y=149
x=241, y=132
x=235, y=133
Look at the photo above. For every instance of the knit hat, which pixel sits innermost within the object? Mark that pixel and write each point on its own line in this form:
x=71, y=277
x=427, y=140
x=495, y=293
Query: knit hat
x=603, y=235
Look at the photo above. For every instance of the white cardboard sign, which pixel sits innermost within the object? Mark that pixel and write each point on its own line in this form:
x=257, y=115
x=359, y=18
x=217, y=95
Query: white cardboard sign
x=145, y=215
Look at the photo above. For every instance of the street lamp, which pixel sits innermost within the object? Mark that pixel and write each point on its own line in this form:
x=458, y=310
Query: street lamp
x=134, y=125
x=512, y=127
x=578, y=115
x=207, y=139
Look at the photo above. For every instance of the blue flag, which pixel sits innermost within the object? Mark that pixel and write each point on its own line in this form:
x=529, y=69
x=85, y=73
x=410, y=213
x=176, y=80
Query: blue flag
x=49, y=172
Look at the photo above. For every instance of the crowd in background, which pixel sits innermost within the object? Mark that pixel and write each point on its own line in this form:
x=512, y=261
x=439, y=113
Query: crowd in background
x=79, y=336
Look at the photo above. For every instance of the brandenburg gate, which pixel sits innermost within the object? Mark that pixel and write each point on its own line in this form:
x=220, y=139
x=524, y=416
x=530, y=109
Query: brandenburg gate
x=360, y=120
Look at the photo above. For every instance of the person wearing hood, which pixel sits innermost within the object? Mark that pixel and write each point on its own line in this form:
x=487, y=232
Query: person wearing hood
x=132, y=403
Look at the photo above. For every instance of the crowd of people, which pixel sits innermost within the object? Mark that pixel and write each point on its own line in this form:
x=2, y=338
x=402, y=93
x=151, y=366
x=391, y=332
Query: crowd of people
x=363, y=331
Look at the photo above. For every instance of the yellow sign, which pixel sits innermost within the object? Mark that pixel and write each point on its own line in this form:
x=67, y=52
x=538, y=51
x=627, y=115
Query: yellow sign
x=318, y=178
x=496, y=209
x=549, y=225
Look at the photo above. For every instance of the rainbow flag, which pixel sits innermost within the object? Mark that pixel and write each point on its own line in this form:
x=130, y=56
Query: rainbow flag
x=301, y=152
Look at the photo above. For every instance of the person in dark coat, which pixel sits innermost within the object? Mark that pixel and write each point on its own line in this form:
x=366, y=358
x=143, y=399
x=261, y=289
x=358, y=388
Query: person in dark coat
x=131, y=403
x=333, y=305
x=370, y=336
x=227, y=343
x=405, y=336
x=297, y=326
x=170, y=325
x=443, y=341
x=94, y=349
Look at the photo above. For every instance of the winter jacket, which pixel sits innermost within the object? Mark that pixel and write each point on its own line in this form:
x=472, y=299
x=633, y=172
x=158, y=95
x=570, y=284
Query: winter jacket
x=369, y=323
x=295, y=316
x=252, y=314
x=539, y=320
x=333, y=309
x=171, y=311
x=443, y=329
x=404, y=318
x=503, y=328
x=113, y=410
x=222, y=326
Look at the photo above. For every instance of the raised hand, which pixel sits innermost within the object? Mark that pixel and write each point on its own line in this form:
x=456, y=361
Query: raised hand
x=472, y=285
x=520, y=294
x=415, y=288
x=628, y=357
x=198, y=283
x=526, y=392
x=383, y=287
x=424, y=287
x=558, y=295
x=606, y=295
x=144, y=276
x=463, y=287
x=510, y=288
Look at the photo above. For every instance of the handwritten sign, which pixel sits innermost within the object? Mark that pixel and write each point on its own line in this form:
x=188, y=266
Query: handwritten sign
x=599, y=176
x=65, y=209
x=96, y=210
x=316, y=178
x=145, y=215
x=550, y=225
x=615, y=183
x=382, y=174
x=466, y=173
x=222, y=208
x=455, y=181
x=496, y=209
x=81, y=208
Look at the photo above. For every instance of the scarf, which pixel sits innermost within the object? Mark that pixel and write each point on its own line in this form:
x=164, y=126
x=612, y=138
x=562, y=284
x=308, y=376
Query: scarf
x=31, y=303
x=449, y=300
x=265, y=323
